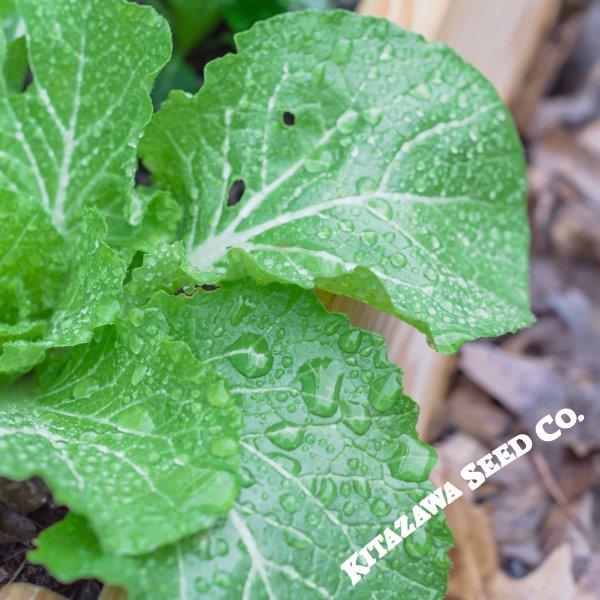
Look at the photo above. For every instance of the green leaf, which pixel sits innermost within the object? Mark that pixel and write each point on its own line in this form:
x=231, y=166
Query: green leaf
x=330, y=457
x=165, y=268
x=151, y=218
x=401, y=181
x=131, y=431
x=33, y=259
x=93, y=296
x=69, y=140
x=23, y=330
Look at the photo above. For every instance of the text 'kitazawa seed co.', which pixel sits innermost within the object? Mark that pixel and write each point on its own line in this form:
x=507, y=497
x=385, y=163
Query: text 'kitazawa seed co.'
x=475, y=473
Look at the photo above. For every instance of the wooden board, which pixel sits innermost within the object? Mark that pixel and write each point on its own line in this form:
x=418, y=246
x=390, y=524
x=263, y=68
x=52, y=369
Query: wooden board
x=26, y=591
x=499, y=37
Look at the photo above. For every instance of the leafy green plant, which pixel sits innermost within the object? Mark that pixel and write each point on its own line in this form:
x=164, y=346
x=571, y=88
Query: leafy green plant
x=167, y=367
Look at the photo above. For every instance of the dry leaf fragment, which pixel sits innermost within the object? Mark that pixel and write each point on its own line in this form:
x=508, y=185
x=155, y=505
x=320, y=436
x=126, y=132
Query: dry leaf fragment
x=552, y=580
x=474, y=557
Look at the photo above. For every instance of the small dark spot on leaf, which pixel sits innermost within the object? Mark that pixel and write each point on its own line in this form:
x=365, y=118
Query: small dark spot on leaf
x=27, y=79
x=289, y=118
x=142, y=175
x=238, y=187
x=209, y=287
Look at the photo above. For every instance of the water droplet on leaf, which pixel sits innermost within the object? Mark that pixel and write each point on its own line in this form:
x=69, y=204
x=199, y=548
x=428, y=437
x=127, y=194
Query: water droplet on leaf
x=413, y=460
x=321, y=380
x=250, y=355
x=224, y=446
x=347, y=121
x=385, y=392
x=286, y=436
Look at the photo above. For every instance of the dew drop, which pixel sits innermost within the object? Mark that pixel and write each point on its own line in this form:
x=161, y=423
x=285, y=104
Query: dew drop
x=286, y=436
x=224, y=446
x=153, y=457
x=369, y=237
x=360, y=257
x=380, y=508
x=295, y=540
x=327, y=492
x=482, y=313
x=362, y=488
x=318, y=73
x=85, y=388
x=358, y=424
x=413, y=460
x=218, y=395
x=431, y=275
x=136, y=344
x=353, y=464
x=418, y=543
x=250, y=355
x=222, y=548
x=385, y=392
x=290, y=503
x=321, y=380
x=138, y=374
x=319, y=162
x=222, y=579
x=350, y=341
x=383, y=207
x=347, y=122
x=398, y=260
x=341, y=52
x=89, y=437
x=373, y=115
x=349, y=509
x=366, y=185
x=106, y=313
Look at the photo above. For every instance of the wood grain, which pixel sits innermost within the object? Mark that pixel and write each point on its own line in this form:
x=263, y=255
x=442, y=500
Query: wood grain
x=26, y=591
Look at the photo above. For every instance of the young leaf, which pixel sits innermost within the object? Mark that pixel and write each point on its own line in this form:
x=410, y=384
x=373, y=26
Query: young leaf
x=329, y=454
x=151, y=218
x=33, y=259
x=165, y=268
x=92, y=298
x=371, y=164
x=69, y=140
x=131, y=431
x=36, y=262
x=23, y=330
